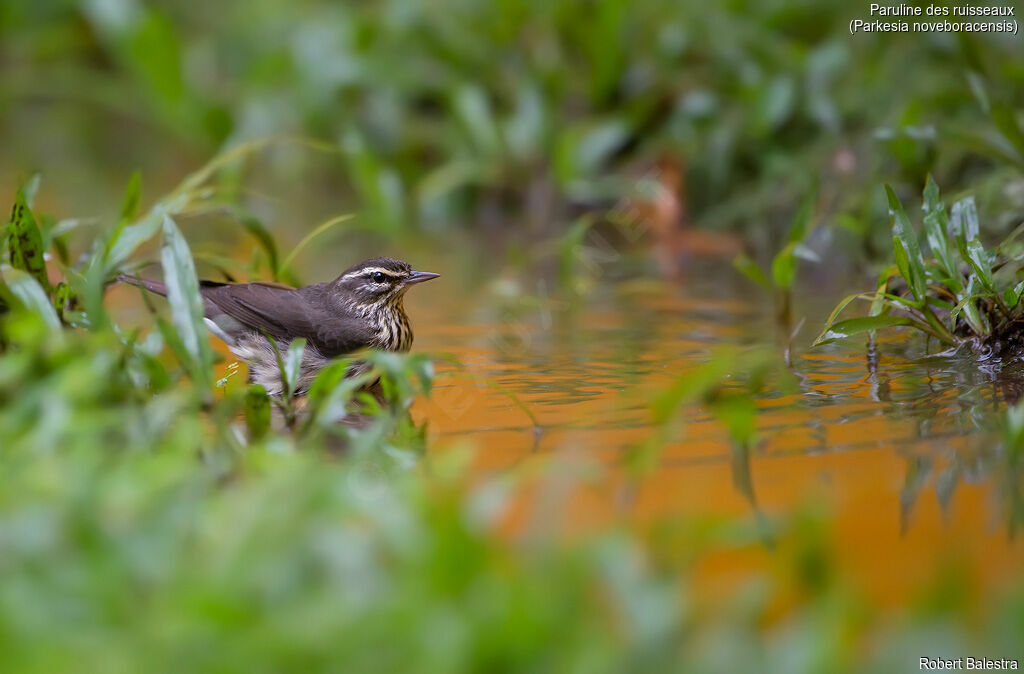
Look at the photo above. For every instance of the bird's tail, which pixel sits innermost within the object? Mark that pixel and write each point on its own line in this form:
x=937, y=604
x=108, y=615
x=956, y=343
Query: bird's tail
x=157, y=287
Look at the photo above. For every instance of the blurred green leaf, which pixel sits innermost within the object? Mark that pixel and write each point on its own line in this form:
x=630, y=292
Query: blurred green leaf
x=749, y=268
x=186, y=303
x=22, y=287
x=25, y=243
x=154, y=53
x=257, y=411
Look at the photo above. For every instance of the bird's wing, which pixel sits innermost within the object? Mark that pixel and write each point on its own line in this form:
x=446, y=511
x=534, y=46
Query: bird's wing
x=286, y=313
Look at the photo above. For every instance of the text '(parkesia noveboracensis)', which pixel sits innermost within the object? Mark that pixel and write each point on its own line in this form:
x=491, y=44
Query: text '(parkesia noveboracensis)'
x=362, y=308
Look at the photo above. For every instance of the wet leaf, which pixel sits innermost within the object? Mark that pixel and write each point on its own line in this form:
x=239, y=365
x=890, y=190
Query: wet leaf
x=907, y=247
x=977, y=258
x=963, y=221
x=936, y=227
x=855, y=326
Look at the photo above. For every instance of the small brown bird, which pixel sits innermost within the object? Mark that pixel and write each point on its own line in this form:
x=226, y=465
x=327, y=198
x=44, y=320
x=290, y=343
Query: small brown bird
x=362, y=308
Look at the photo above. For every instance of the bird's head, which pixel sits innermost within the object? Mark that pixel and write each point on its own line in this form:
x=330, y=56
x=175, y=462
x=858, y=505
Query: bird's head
x=378, y=282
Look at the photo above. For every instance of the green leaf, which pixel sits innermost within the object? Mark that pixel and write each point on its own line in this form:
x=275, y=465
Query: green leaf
x=963, y=222
x=784, y=267
x=749, y=268
x=129, y=209
x=132, y=197
x=977, y=321
x=154, y=53
x=129, y=239
x=23, y=288
x=25, y=242
x=855, y=326
x=63, y=298
x=257, y=411
x=186, y=302
x=903, y=264
x=1012, y=295
x=842, y=305
x=909, y=259
x=978, y=260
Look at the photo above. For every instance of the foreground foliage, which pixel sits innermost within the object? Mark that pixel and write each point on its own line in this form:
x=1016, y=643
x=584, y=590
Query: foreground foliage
x=153, y=519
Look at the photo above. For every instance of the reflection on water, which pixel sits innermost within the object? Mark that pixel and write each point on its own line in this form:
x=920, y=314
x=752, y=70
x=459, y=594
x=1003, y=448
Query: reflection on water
x=900, y=450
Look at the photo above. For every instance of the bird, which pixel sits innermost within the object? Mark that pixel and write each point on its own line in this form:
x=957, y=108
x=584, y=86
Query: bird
x=361, y=309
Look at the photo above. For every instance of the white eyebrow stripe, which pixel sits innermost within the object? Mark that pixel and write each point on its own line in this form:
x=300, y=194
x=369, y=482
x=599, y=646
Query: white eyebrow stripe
x=372, y=270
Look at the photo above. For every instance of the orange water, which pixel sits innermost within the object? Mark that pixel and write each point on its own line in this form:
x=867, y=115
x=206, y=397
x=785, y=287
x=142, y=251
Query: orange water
x=844, y=444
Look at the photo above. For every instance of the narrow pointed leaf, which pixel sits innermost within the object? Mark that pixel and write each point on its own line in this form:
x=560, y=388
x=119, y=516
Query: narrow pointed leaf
x=855, y=326
x=132, y=197
x=129, y=209
x=978, y=260
x=186, y=302
x=935, y=227
x=910, y=261
x=130, y=238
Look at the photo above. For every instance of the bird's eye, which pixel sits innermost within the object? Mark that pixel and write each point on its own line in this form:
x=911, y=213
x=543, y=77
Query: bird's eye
x=378, y=277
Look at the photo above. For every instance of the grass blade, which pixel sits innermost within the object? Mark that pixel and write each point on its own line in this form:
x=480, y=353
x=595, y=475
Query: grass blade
x=286, y=265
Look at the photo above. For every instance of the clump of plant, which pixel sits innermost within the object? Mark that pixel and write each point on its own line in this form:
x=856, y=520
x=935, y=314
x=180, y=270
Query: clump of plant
x=944, y=284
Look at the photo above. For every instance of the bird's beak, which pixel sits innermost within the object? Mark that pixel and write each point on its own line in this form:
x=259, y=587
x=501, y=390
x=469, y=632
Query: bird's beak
x=420, y=276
